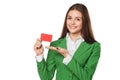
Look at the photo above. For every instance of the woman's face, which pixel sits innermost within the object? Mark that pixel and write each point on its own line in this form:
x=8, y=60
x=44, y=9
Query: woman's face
x=74, y=21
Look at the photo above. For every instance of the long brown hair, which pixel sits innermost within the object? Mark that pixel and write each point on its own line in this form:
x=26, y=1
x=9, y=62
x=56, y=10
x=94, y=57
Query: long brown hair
x=86, y=31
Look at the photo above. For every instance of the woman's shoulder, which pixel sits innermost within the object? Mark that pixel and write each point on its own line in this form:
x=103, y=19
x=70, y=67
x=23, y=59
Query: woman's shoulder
x=96, y=43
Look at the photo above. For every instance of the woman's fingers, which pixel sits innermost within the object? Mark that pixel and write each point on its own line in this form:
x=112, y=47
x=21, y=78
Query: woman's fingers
x=62, y=51
x=38, y=40
x=58, y=49
x=51, y=47
x=38, y=47
x=38, y=44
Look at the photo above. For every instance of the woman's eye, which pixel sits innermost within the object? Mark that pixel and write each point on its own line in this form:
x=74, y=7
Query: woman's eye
x=78, y=19
x=69, y=18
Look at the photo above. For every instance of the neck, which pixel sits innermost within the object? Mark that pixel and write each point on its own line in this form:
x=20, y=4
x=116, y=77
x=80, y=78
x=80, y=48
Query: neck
x=74, y=36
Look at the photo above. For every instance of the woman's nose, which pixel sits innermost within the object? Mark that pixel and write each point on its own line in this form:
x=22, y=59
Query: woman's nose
x=72, y=21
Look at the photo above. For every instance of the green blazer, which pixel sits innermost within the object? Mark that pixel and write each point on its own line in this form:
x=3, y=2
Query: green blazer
x=81, y=67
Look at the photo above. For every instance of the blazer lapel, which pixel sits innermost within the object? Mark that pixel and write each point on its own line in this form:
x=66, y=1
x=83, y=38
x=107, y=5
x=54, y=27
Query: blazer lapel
x=81, y=49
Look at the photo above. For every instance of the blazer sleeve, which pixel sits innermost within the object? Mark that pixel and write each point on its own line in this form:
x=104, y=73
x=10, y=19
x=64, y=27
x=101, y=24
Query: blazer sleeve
x=47, y=68
x=85, y=72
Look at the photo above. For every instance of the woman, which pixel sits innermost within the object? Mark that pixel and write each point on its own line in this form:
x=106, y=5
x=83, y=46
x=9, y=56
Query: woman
x=75, y=54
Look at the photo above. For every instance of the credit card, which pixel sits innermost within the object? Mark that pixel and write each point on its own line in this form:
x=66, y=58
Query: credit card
x=46, y=37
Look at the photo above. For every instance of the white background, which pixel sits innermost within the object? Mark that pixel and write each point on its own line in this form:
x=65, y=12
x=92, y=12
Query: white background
x=22, y=21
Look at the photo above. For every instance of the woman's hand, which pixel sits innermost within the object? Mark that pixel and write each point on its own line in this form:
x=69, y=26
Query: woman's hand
x=38, y=48
x=62, y=51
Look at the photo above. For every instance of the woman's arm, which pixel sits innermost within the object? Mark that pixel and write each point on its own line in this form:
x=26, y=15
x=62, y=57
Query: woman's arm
x=47, y=68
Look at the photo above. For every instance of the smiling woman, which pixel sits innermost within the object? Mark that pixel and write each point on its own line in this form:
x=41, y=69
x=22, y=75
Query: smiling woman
x=74, y=22
x=75, y=54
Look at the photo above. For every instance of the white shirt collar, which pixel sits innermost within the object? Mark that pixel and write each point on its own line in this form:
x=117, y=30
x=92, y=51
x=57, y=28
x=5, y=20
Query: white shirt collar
x=79, y=38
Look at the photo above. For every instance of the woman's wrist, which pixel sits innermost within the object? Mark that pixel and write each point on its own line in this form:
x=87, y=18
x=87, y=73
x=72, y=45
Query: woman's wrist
x=39, y=54
x=66, y=54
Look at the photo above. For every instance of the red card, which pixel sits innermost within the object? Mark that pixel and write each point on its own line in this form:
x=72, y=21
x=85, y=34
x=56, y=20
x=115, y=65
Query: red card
x=46, y=37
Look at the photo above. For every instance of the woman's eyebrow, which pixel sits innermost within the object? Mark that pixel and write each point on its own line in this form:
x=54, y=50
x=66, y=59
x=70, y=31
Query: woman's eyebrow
x=78, y=17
